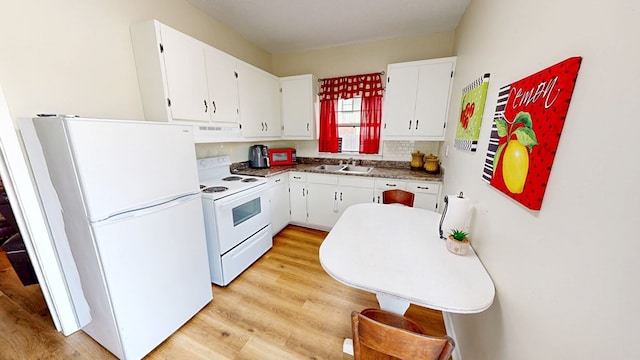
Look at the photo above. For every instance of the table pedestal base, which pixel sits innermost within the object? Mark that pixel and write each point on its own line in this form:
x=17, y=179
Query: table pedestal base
x=392, y=303
x=347, y=346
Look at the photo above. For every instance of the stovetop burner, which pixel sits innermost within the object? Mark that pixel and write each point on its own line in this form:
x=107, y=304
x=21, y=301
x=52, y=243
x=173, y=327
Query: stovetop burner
x=212, y=189
x=217, y=181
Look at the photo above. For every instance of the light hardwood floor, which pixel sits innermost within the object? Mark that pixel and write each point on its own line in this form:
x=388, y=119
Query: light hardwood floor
x=283, y=307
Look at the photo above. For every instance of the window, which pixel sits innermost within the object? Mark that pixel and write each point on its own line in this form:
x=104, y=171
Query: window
x=350, y=114
x=349, y=124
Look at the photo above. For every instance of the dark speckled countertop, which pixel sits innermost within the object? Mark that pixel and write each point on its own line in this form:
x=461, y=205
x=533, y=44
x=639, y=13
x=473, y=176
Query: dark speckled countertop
x=383, y=169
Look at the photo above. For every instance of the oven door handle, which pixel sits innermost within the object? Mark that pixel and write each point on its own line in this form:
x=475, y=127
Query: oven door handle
x=240, y=195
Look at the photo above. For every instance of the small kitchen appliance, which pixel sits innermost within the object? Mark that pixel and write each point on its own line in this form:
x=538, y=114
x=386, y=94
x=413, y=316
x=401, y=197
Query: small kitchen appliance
x=258, y=156
x=286, y=156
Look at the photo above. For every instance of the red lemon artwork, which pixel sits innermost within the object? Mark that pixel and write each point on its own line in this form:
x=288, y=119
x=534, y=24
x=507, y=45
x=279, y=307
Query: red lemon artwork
x=527, y=124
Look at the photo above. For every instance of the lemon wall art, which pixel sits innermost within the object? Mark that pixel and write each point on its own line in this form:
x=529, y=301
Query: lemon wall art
x=527, y=124
x=471, y=110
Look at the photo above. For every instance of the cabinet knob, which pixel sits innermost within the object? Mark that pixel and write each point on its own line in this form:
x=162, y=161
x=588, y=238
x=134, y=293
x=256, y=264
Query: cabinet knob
x=206, y=107
x=213, y=103
x=417, y=124
x=409, y=124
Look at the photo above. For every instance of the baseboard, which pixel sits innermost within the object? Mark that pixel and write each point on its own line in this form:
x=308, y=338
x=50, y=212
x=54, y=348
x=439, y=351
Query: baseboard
x=448, y=325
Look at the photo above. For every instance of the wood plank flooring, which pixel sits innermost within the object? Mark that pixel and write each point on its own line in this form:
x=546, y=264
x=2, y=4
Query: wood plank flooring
x=284, y=307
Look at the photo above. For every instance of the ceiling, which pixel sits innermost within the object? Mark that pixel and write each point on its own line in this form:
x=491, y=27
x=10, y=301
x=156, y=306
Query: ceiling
x=280, y=26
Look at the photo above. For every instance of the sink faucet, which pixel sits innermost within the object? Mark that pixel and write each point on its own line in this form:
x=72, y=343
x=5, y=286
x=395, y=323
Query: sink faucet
x=352, y=162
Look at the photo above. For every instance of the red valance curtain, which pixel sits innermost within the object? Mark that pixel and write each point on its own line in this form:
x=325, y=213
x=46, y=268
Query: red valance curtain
x=367, y=86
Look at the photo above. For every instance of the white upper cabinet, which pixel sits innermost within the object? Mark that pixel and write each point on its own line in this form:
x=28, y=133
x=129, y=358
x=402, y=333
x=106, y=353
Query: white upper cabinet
x=417, y=99
x=222, y=82
x=299, y=102
x=259, y=94
x=182, y=79
x=185, y=68
x=172, y=74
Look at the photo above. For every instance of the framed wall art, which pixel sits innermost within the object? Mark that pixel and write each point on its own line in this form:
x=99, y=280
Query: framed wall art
x=471, y=110
x=528, y=121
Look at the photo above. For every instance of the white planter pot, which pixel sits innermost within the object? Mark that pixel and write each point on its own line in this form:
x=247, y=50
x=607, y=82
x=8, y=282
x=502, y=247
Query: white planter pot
x=457, y=247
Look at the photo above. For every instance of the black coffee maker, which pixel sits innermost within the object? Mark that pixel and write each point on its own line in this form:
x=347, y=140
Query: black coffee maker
x=258, y=156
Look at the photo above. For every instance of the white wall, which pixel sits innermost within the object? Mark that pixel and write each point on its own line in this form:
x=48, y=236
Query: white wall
x=75, y=56
x=567, y=276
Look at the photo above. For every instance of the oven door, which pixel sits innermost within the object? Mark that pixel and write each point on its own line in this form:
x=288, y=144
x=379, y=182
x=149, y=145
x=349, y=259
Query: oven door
x=241, y=215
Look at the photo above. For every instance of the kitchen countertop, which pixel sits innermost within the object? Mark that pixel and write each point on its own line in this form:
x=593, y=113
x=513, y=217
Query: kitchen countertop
x=382, y=169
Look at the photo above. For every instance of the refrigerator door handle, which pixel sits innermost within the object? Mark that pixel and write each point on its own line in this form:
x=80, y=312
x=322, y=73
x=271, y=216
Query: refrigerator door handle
x=149, y=209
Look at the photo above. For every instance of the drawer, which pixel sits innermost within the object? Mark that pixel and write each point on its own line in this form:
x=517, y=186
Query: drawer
x=356, y=181
x=246, y=253
x=278, y=179
x=388, y=184
x=424, y=187
x=297, y=177
x=322, y=179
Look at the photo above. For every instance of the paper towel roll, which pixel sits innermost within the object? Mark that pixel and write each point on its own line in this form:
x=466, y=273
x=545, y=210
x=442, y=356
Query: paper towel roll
x=456, y=214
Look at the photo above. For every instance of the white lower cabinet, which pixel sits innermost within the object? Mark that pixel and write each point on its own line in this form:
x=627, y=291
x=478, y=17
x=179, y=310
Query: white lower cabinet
x=426, y=194
x=318, y=200
x=387, y=184
x=354, y=190
x=329, y=195
x=322, y=200
x=298, y=197
x=279, y=200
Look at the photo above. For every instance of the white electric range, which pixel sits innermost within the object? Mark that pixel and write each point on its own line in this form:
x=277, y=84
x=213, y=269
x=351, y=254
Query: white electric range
x=237, y=218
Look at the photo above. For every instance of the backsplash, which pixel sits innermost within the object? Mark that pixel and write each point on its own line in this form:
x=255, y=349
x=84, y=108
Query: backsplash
x=391, y=150
x=401, y=150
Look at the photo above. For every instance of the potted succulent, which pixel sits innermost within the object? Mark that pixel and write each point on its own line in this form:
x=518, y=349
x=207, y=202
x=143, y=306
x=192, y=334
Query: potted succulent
x=457, y=242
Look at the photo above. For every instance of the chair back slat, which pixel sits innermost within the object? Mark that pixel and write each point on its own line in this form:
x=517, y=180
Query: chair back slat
x=378, y=334
x=397, y=196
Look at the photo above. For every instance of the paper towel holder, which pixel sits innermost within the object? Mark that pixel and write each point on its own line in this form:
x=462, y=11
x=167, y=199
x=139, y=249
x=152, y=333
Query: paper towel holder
x=444, y=212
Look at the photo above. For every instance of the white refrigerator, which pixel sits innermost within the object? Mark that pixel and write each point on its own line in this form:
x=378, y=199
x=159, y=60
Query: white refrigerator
x=130, y=208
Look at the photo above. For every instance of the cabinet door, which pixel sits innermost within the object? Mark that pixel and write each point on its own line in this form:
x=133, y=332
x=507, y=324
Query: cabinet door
x=298, y=94
x=354, y=195
x=186, y=75
x=298, y=198
x=426, y=194
x=222, y=81
x=432, y=103
x=324, y=206
x=279, y=198
x=259, y=102
x=426, y=201
x=400, y=100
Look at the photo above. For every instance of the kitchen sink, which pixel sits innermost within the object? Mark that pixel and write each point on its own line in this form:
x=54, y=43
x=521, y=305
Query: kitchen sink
x=356, y=169
x=331, y=167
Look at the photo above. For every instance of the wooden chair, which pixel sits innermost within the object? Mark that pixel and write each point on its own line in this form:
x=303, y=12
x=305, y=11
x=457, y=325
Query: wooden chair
x=379, y=334
x=396, y=196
